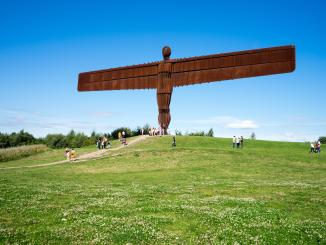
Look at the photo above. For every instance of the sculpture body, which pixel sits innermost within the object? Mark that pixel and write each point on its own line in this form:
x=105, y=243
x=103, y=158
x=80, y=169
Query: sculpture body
x=169, y=73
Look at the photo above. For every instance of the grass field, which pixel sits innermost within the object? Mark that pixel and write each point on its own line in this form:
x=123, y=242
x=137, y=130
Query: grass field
x=201, y=192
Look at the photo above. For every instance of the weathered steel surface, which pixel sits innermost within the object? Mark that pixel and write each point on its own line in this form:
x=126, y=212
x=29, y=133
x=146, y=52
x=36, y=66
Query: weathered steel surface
x=169, y=73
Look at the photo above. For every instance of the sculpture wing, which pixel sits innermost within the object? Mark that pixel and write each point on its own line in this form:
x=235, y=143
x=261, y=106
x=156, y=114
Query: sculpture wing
x=129, y=77
x=251, y=63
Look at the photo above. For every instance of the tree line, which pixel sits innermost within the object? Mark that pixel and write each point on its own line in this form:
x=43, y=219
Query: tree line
x=72, y=139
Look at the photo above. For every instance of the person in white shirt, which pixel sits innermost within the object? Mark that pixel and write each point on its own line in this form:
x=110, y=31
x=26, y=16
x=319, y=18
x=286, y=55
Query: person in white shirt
x=238, y=142
x=234, y=141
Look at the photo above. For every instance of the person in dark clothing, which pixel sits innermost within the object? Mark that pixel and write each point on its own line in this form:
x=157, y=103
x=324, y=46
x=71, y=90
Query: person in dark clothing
x=173, y=142
x=241, y=142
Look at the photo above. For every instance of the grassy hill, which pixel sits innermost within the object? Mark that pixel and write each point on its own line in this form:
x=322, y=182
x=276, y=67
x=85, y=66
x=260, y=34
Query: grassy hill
x=201, y=192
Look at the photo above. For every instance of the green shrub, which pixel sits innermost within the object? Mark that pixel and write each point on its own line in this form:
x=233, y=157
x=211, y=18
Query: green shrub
x=322, y=139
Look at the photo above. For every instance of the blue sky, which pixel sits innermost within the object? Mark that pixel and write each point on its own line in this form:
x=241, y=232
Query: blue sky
x=45, y=44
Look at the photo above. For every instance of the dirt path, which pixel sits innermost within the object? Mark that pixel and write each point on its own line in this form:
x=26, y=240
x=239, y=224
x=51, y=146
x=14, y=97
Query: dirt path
x=85, y=157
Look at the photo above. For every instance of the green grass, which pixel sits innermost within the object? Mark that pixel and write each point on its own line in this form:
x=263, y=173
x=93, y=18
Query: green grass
x=201, y=192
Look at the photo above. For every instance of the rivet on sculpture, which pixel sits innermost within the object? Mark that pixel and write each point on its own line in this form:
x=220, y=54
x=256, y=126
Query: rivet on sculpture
x=169, y=73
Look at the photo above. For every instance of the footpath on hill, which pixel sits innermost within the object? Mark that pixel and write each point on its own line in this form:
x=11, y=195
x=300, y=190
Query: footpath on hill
x=85, y=157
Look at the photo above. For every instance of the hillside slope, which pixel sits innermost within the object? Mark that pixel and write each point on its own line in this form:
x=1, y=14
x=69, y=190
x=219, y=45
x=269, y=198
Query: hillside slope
x=202, y=191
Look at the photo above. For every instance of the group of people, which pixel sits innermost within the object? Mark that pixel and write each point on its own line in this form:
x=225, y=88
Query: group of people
x=156, y=131
x=70, y=154
x=237, y=142
x=103, y=143
x=315, y=147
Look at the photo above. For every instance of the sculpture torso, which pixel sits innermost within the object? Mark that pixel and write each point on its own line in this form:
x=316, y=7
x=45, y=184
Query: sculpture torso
x=163, y=94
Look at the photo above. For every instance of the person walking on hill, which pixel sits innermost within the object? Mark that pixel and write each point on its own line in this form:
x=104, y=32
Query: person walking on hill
x=312, y=147
x=241, y=142
x=318, y=147
x=238, y=142
x=67, y=153
x=173, y=142
x=105, y=140
x=234, y=141
x=102, y=144
x=73, y=155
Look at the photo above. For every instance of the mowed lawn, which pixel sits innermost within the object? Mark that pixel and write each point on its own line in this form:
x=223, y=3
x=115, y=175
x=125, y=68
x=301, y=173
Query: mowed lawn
x=201, y=192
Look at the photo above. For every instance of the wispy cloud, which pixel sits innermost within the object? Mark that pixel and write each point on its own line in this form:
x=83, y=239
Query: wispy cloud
x=102, y=114
x=245, y=124
x=225, y=121
x=40, y=125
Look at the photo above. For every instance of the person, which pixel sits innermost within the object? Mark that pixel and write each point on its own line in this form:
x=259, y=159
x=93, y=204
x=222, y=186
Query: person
x=238, y=142
x=67, y=153
x=105, y=140
x=142, y=131
x=234, y=142
x=241, y=142
x=318, y=147
x=119, y=135
x=173, y=142
x=73, y=155
x=312, y=147
x=98, y=143
x=123, y=134
x=102, y=144
x=109, y=145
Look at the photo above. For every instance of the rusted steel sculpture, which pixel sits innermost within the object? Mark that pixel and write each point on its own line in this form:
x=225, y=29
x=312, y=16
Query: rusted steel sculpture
x=169, y=73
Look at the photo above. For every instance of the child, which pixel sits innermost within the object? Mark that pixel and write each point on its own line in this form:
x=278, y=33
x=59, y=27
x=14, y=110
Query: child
x=72, y=155
x=67, y=153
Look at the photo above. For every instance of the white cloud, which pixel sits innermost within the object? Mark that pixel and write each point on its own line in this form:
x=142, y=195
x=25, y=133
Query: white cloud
x=245, y=124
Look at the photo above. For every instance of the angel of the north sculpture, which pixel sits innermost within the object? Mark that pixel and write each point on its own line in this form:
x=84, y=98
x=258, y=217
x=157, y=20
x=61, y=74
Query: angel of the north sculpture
x=168, y=73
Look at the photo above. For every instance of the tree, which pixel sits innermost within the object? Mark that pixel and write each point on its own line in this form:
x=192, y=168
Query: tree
x=178, y=132
x=56, y=141
x=115, y=132
x=210, y=133
x=253, y=136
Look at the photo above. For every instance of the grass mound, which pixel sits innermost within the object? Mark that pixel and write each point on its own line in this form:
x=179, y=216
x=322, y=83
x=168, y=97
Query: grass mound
x=13, y=153
x=201, y=192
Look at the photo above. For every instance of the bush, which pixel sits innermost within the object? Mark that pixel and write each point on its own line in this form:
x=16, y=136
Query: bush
x=20, y=152
x=322, y=139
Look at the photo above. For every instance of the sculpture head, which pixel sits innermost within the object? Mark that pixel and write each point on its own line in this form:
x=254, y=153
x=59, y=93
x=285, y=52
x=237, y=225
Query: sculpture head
x=166, y=52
